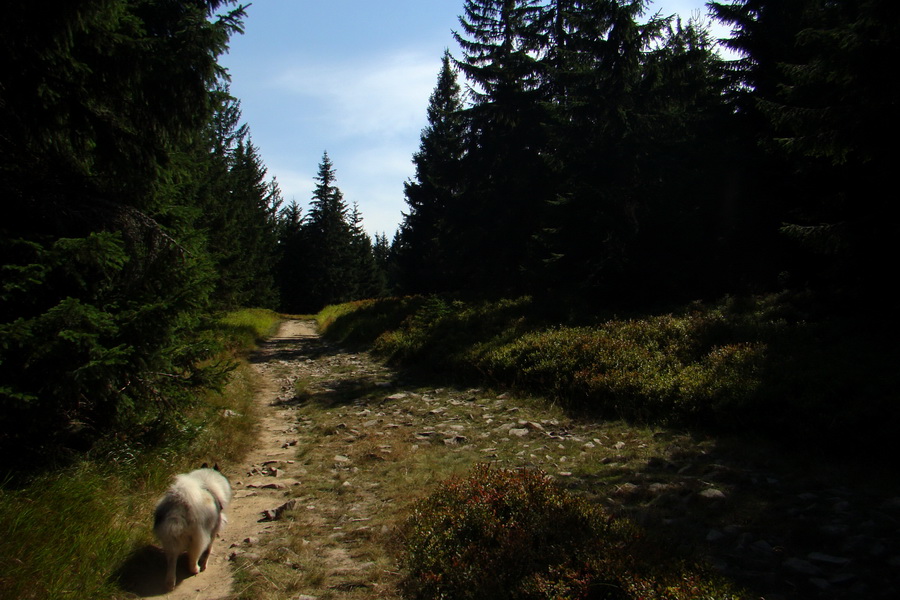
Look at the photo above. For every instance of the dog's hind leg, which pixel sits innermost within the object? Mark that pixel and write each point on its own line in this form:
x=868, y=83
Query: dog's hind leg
x=199, y=547
x=171, y=562
x=204, y=557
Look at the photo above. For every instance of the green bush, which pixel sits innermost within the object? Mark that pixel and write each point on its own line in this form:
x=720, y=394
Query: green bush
x=447, y=335
x=501, y=534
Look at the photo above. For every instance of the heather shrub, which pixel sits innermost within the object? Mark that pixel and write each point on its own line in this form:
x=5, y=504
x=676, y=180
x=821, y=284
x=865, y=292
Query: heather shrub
x=502, y=534
x=486, y=535
x=649, y=369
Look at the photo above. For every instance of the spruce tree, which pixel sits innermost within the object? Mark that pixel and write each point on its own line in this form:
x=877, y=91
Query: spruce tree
x=499, y=212
x=370, y=281
x=829, y=109
x=327, y=240
x=602, y=130
x=248, y=278
x=385, y=262
x=291, y=258
x=422, y=255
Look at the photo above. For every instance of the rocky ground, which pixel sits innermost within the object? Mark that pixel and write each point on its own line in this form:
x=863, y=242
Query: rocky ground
x=346, y=444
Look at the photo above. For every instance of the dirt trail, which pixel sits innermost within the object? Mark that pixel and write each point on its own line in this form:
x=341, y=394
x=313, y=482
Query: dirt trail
x=255, y=487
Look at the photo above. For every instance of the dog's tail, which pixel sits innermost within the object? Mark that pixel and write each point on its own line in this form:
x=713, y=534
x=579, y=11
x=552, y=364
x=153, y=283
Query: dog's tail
x=170, y=518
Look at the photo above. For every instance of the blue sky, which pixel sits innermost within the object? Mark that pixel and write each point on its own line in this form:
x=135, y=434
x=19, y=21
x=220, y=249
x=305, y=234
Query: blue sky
x=351, y=77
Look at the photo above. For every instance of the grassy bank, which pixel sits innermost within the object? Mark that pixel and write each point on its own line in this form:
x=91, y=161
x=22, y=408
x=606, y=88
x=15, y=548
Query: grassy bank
x=69, y=534
x=770, y=365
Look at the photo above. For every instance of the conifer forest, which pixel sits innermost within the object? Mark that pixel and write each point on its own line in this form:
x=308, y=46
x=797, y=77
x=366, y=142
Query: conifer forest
x=589, y=154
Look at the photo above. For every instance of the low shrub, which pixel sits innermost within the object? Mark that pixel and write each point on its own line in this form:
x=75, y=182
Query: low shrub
x=502, y=534
x=648, y=370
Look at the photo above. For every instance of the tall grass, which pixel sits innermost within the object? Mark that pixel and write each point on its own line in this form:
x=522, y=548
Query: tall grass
x=362, y=321
x=244, y=329
x=66, y=535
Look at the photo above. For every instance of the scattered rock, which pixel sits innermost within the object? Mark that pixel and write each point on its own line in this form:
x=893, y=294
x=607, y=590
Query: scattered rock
x=274, y=514
x=844, y=546
x=821, y=584
x=712, y=494
x=626, y=489
x=659, y=488
x=842, y=579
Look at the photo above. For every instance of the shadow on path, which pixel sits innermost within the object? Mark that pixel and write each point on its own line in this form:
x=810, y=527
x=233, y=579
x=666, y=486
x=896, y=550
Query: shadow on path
x=144, y=572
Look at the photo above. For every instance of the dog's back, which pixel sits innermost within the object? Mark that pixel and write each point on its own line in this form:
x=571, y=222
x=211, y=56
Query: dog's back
x=188, y=517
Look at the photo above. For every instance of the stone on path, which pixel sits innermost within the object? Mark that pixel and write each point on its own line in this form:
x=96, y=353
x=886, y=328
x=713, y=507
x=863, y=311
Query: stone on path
x=712, y=494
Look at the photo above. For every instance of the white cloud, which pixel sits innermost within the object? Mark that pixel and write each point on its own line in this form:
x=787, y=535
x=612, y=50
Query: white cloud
x=379, y=96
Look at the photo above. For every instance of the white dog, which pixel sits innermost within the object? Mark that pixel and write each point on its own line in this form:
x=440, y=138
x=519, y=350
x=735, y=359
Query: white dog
x=189, y=516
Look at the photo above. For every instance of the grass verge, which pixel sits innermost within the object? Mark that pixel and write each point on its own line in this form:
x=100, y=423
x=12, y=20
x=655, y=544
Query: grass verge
x=66, y=535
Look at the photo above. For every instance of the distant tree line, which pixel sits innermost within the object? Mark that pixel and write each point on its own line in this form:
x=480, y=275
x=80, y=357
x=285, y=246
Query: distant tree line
x=604, y=156
x=326, y=257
